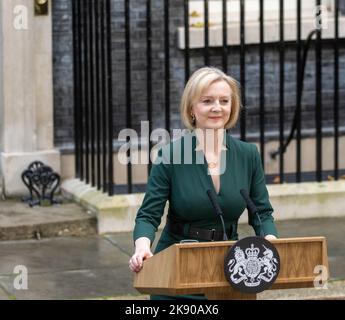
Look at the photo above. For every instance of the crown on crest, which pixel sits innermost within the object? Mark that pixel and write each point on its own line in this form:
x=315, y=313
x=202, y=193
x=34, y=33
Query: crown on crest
x=252, y=252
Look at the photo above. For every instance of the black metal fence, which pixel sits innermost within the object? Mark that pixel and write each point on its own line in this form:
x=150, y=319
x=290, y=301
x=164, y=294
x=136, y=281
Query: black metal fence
x=94, y=105
x=93, y=93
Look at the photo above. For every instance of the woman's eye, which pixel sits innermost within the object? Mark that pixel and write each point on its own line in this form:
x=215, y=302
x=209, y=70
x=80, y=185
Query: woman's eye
x=225, y=101
x=206, y=101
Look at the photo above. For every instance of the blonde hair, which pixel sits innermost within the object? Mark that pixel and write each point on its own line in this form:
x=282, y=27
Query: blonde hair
x=197, y=83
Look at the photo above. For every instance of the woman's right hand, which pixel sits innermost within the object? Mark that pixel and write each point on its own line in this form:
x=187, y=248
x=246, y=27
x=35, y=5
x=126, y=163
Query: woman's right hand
x=142, y=252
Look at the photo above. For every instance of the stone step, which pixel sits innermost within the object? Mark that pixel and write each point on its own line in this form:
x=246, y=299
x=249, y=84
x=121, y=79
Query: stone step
x=18, y=221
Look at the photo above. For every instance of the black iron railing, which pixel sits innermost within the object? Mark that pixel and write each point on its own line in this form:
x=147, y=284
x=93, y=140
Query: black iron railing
x=93, y=23
x=93, y=92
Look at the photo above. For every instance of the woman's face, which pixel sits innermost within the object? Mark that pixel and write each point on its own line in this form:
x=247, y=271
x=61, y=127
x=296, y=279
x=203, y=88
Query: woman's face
x=213, y=108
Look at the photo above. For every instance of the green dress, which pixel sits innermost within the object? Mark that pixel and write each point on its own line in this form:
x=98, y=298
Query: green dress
x=180, y=175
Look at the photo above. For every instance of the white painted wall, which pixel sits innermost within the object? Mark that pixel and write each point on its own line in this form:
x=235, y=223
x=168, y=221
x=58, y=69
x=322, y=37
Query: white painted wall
x=271, y=8
x=26, y=92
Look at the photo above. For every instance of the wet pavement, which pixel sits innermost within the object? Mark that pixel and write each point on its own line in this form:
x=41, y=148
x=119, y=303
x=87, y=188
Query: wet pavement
x=18, y=221
x=96, y=267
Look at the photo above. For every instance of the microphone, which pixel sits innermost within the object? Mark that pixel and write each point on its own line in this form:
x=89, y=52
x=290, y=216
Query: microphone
x=252, y=209
x=218, y=211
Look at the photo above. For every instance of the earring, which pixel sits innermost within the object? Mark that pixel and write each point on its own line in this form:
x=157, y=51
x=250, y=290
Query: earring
x=193, y=117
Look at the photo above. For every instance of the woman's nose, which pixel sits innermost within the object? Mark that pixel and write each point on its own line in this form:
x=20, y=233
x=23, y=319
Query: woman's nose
x=216, y=106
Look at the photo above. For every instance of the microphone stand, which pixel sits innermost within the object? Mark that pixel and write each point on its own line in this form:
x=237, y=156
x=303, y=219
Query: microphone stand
x=218, y=211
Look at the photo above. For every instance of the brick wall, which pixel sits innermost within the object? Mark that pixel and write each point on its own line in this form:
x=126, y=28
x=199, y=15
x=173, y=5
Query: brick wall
x=63, y=80
x=63, y=71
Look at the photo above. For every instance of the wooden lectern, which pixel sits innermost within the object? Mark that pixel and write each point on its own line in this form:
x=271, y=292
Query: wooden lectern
x=196, y=268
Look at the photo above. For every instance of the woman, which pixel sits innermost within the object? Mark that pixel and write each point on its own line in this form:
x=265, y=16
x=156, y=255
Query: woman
x=210, y=104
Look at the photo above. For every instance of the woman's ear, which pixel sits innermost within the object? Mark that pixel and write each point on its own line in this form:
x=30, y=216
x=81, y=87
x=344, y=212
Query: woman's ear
x=192, y=114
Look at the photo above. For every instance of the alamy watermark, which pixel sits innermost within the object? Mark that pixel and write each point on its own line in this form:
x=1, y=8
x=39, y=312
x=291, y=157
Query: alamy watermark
x=20, y=282
x=21, y=18
x=321, y=280
x=20, y=21
x=321, y=17
x=171, y=153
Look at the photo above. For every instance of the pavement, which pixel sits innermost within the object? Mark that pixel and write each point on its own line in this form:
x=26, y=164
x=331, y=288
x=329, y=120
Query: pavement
x=96, y=266
x=19, y=221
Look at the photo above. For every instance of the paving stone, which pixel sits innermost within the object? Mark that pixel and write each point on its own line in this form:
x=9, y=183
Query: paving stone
x=77, y=284
x=59, y=254
x=18, y=221
x=4, y=295
x=334, y=290
x=336, y=267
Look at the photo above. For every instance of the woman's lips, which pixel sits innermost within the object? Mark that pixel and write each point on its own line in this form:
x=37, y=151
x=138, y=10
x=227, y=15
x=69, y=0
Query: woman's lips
x=215, y=118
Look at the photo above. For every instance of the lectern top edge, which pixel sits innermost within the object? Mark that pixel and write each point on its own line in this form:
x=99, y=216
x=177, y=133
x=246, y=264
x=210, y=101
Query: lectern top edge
x=227, y=243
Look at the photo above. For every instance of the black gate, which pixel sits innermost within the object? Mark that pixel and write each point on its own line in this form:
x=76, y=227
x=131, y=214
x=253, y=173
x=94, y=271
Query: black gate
x=97, y=25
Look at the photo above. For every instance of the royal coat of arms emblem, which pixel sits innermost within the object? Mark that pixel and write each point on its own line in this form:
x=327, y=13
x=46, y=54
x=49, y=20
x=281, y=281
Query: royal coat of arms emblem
x=252, y=265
